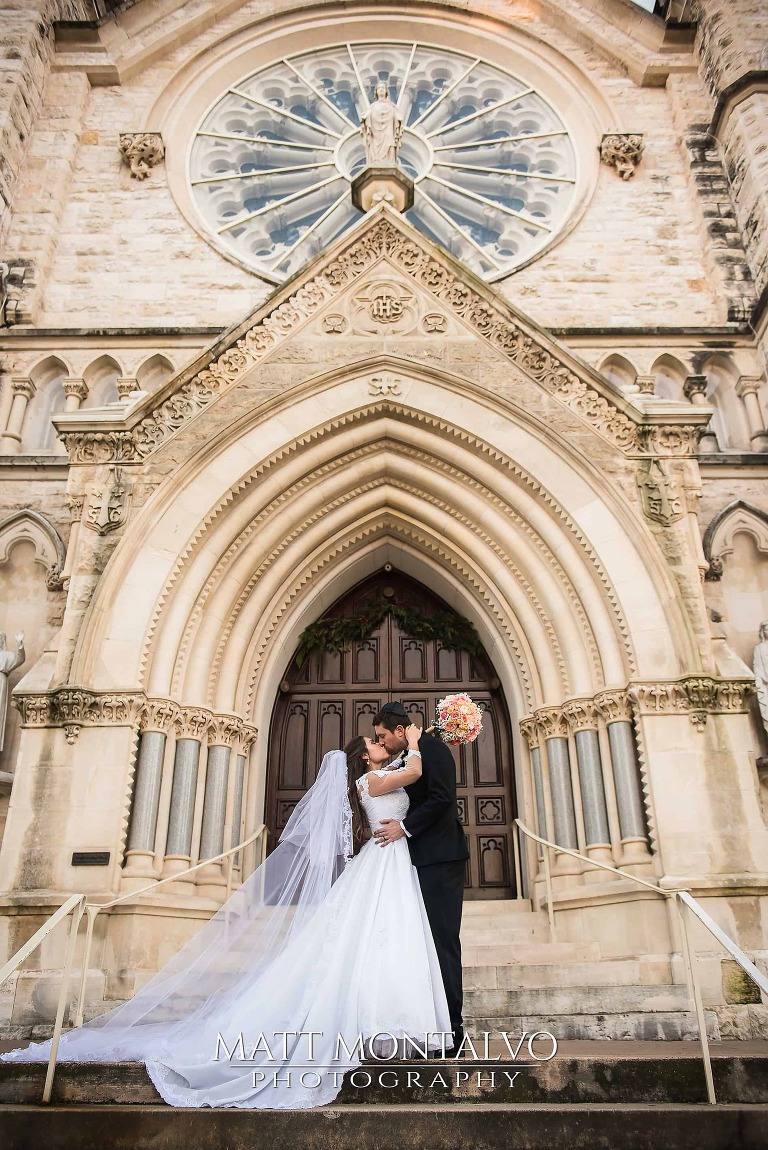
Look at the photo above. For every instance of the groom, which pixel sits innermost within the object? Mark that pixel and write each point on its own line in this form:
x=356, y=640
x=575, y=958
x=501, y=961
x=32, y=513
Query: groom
x=437, y=844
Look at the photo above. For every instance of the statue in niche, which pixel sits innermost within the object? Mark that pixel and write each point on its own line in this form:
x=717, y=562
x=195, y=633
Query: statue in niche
x=9, y=661
x=760, y=667
x=382, y=129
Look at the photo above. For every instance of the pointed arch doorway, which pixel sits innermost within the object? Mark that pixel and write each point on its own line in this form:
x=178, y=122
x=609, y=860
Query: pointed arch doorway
x=333, y=697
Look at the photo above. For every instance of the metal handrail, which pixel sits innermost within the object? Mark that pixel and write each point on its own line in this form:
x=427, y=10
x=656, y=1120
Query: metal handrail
x=77, y=905
x=684, y=903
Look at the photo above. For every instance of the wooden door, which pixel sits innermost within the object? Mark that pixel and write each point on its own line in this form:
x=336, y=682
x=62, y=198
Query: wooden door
x=323, y=704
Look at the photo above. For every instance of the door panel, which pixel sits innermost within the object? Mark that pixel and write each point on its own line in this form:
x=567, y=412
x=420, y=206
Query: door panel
x=331, y=699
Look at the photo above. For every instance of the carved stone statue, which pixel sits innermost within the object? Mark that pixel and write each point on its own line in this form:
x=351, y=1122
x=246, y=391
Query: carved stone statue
x=9, y=661
x=382, y=129
x=760, y=667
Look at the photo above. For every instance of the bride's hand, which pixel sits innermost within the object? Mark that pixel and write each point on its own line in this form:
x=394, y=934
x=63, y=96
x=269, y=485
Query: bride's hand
x=413, y=734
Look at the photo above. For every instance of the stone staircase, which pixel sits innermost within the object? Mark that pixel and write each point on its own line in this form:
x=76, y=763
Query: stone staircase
x=639, y=1096
x=516, y=979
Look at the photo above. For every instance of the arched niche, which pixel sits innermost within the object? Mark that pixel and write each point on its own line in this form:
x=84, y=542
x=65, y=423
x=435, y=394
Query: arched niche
x=101, y=378
x=619, y=371
x=669, y=378
x=729, y=419
x=38, y=433
x=153, y=373
x=31, y=558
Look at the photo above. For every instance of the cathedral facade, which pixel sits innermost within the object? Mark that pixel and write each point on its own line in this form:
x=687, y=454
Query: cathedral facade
x=518, y=383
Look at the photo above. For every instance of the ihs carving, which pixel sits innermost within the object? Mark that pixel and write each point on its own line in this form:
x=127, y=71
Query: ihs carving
x=384, y=306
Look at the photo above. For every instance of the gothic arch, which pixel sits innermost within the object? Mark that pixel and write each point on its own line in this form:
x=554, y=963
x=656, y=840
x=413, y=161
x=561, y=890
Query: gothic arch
x=225, y=572
x=718, y=537
x=34, y=528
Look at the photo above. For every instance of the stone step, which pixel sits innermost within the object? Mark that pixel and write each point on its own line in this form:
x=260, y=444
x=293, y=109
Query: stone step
x=635, y=1026
x=607, y=972
x=578, y=1079
x=508, y=935
x=500, y=906
x=552, y=1001
x=545, y=953
x=641, y=1126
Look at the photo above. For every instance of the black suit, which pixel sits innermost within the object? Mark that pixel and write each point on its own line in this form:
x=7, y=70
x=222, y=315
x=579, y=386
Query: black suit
x=439, y=850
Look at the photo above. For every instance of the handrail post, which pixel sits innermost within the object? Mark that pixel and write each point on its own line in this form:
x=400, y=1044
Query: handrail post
x=92, y=912
x=77, y=914
x=550, y=896
x=694, y=989
x=516, y=859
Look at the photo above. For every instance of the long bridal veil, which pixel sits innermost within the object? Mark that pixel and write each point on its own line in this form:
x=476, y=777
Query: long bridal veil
x=245, y=937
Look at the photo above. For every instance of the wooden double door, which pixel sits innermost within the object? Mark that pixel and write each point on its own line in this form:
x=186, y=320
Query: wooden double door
x=333, y=697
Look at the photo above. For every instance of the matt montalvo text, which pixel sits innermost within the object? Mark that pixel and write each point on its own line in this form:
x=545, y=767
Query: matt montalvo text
x=457, y=1070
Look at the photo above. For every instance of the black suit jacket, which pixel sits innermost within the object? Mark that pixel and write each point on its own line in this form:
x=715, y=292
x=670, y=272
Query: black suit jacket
x=433, y=818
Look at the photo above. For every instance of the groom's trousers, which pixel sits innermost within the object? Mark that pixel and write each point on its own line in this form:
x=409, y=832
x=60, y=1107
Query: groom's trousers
x=442, y=888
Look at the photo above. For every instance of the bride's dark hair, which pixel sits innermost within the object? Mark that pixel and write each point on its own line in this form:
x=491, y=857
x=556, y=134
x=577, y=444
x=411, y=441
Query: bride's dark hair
x=357, y=765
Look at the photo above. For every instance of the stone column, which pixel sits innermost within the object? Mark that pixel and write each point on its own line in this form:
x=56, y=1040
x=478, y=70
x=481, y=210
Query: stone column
x=23, y=390
x=75, y=503
x=223, y=731
x=747, y=389
x=191, y=727
x=75, y=391
x=553, y=728
x=616, y=711
x=695, y=389
x=583, y=719
x=140, y=855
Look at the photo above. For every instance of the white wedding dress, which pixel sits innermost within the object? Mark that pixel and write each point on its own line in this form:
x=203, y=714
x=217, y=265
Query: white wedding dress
x=364, y=964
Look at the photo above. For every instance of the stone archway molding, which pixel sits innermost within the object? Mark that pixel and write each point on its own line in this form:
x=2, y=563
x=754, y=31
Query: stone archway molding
x=738, y=516
x=32, y=527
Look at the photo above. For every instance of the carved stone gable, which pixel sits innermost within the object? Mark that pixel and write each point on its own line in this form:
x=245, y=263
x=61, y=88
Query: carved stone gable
x=375, y=279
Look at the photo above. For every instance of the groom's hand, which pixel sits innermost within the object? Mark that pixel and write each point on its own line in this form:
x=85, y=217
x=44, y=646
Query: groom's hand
x=388, y=831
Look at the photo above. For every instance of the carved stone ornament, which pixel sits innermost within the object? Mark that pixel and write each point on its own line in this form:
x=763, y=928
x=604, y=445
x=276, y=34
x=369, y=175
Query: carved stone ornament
x=77, y=707
x=141, y=151
x=385, y=237
x=622, y=151
x=382, y=385
x=107, y=507
x=384, y=307
x=530, y=731
x=694, y=695
x=552, y=722
x=660, y=498
x=581, y=715
x=614, y=706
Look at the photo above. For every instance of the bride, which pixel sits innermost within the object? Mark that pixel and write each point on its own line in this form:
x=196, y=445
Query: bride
x=323, y=957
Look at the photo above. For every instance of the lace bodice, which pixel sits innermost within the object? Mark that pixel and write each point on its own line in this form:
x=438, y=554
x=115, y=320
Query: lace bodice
x=392, y=805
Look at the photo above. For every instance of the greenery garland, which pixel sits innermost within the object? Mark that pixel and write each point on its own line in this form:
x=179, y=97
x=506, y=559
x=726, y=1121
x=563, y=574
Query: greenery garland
x=337, y=634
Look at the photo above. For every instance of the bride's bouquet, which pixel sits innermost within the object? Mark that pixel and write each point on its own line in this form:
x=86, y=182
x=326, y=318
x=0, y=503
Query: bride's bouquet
x=458, y=720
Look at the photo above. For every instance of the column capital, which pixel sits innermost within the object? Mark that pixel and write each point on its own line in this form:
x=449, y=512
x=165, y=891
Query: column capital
x=695, y=388
x=552, y=722
x=581, y=714
x=125, y=385
x=530, y=731
x=749, y=385
x=614, y=706
x=20, y=385
x=192, y=723
x=75, y=387
x=224, y=730
x=646, y=384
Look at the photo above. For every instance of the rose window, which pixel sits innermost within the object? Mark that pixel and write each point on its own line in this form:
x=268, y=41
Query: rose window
x=272, y=161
